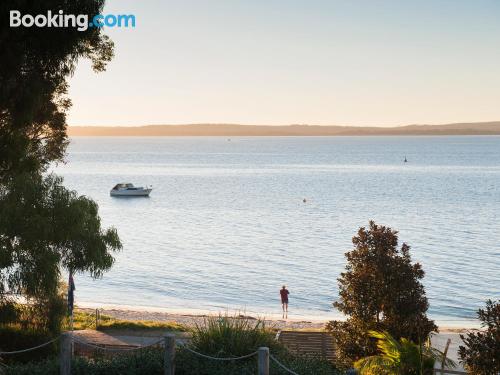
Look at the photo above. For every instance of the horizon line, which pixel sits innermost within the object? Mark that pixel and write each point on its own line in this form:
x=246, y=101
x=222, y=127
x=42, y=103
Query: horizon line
x=285, y=125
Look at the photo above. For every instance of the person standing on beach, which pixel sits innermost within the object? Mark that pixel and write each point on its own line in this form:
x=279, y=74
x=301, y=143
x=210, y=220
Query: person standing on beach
x=284, y=299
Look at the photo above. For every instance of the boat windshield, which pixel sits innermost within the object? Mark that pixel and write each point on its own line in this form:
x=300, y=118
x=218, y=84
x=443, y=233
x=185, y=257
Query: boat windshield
x=123, y=186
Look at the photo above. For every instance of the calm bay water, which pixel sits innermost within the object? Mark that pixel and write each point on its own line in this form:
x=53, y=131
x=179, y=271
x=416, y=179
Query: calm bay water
x=225, y=225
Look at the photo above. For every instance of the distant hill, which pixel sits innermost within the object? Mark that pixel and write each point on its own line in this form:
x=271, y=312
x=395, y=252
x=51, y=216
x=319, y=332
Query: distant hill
x=479, y=128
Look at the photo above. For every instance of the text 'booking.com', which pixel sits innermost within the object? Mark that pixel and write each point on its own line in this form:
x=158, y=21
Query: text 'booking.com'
x=80, y=22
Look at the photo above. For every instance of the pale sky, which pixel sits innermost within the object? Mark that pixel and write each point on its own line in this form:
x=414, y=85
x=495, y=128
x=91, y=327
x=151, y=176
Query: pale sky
x=296, y=62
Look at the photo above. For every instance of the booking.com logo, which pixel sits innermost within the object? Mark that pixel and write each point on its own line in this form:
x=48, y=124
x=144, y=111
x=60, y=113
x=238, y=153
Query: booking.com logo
x=78, y=21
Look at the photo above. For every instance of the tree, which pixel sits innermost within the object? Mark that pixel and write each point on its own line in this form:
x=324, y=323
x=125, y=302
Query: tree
x=380, y=290
x=35, y=65
x=399, y=357
x=481, y=353
x=49, y=228
x=44, y=228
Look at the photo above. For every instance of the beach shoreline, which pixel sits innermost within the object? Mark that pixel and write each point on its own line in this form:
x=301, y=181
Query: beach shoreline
x=190, y=317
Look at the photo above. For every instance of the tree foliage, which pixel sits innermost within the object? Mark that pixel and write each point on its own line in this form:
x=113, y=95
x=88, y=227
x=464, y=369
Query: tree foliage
x=48, y=226
x=44, y=227
x=380, y=290
x=35, y=65
x=481, y=353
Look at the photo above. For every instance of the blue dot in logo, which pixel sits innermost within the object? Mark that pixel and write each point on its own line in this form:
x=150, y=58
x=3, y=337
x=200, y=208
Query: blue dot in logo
x=91, y=24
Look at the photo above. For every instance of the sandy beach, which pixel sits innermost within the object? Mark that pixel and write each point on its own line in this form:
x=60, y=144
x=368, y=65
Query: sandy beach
x=190, y=317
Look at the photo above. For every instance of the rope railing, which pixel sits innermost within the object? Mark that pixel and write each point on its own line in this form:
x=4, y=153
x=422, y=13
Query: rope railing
x=117, y=349
x=30, y=349
x=219, y=358
x=275, y=360
x=74, y=339
x=169, y=346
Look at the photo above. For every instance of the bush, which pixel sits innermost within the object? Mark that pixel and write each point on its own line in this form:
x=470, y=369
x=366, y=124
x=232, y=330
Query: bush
x=481, y=355
x=30, y=324
x=42, y=314
x=150, y=362
x=12, y=339
x=140, y=362
x=45, y=367
x=232, y=336
x=188, y=364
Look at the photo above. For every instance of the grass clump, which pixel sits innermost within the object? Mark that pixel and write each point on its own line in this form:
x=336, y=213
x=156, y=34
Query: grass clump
x=232, y=336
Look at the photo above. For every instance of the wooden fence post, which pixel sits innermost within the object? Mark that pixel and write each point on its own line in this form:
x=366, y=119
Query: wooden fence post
x=169, y=341
x=65, y=353
x=263, y=361
x=445, y=353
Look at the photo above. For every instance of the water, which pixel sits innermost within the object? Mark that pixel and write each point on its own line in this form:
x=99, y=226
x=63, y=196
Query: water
x=226, y=226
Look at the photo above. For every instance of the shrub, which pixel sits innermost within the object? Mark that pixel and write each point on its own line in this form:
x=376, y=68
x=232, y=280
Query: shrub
x=8, y=312
x=45, y=313
x=150, y=362
x=45, y=367
x=14, y=338
x=481, y=353
x=141, y=362
x=30, y=324
x=188, y=364
x=232, y=336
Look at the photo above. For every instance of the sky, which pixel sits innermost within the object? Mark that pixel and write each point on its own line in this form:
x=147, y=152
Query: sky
x=351, y=62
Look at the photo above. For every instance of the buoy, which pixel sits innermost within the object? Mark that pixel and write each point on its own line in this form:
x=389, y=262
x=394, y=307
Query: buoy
x=304, y=200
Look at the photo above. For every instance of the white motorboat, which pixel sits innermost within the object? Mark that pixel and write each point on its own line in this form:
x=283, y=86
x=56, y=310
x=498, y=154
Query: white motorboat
x=129, y=190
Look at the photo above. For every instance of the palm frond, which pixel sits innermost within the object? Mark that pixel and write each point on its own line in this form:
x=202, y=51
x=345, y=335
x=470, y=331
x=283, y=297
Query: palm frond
x=375, y=364
x=438, y=356
x=387, y=345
